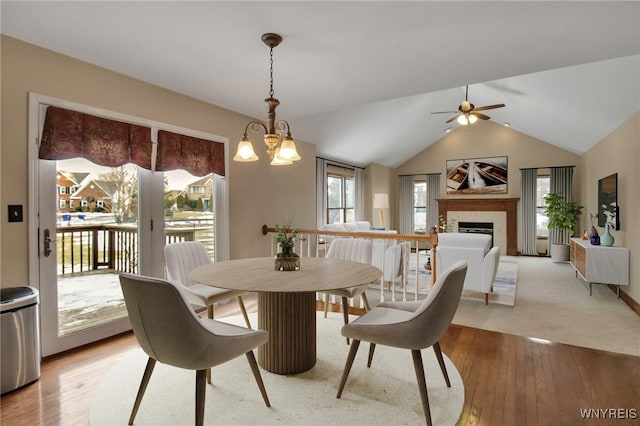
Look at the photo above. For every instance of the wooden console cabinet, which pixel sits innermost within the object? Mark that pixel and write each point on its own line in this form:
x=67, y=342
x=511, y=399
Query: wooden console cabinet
x=600, y=265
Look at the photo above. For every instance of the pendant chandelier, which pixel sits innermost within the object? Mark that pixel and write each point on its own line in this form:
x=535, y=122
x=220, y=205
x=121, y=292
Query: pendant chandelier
x=277, y=135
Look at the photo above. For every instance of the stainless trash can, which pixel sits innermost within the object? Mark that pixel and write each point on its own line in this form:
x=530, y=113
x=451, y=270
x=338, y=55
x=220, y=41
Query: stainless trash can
x=20, y=338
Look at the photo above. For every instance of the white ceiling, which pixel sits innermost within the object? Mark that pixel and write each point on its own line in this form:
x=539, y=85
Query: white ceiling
x=360, y=79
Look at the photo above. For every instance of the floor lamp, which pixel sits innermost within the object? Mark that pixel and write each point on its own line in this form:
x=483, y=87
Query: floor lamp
x=380, y=202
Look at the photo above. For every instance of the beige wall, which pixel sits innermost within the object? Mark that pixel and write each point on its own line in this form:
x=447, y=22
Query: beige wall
x=617, y=153
x=259, y=194
x=379, y=179
x=488, y=139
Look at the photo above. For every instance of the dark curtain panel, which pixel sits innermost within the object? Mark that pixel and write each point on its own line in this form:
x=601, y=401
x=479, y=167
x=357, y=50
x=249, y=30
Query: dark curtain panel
x=70, y=134
x=199, y=157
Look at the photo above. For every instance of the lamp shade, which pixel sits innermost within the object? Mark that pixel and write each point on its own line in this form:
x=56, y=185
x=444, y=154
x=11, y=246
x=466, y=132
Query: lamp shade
x=380, y=201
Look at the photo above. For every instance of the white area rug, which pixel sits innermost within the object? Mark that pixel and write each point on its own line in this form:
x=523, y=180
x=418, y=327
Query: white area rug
x=504, y=286
x=386, y=393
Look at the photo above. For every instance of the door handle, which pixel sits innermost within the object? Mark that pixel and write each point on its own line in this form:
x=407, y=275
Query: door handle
x=47, y=242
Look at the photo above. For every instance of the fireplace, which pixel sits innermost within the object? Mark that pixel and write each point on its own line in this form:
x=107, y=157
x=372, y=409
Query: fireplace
x=477, y=228
x=501, y=212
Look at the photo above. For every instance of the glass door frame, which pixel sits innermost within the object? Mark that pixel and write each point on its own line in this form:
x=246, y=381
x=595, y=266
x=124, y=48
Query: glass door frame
x=150, y=224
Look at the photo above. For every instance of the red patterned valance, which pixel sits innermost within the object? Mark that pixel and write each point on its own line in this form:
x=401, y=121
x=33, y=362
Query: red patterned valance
x=199, y=157
x=70, y=134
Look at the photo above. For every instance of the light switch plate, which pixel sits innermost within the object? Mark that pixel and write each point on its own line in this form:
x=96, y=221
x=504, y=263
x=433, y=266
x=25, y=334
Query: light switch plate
x=15, y=213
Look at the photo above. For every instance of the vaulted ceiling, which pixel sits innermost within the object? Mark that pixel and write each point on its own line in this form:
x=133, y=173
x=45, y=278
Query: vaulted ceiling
x=360, y=79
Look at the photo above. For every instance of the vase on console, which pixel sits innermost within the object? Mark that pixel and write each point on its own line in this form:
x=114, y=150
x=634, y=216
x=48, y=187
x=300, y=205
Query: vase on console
x=607, y=239
x=595, y=238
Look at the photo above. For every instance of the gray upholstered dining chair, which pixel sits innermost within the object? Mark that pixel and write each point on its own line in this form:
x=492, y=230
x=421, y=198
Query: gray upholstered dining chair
x=181, y=259
x=355, y=250
x=170, y=332
x=411, y=325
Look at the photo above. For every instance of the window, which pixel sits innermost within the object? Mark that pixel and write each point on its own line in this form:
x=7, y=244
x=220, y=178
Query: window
x=62, y=189
x=420, y=206
x=100, y=203
x=70, y=204
x=73, y=189
x=63, y=204
x=542, y=189
x=341, y=194
x=197, y=189
x=84, y=203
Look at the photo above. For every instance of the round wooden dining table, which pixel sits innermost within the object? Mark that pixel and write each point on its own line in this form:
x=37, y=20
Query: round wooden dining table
x=286, y=301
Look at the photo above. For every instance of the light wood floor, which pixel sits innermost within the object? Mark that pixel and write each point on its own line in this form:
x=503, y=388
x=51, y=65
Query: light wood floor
x=509, y=380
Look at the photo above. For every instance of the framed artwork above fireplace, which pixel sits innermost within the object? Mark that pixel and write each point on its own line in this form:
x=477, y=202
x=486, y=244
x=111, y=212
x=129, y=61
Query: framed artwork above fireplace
x=486, y=175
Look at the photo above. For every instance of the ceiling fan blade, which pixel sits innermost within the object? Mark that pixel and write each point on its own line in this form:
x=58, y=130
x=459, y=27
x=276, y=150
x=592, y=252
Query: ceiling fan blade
x=452, y=118
x=444, y=112
x=481, y=116
x=486, y=107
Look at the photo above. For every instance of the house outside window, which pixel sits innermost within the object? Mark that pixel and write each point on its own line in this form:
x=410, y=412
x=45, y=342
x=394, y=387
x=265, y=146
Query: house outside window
x=420, y=206
x=542, y=189
x=341, y=196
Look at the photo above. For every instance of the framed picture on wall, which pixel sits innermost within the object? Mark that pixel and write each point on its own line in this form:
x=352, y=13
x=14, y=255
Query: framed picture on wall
x=486, y=175
x=608, y=211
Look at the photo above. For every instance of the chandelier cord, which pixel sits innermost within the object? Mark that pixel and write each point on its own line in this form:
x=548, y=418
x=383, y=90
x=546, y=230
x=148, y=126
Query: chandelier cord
x=271, y=72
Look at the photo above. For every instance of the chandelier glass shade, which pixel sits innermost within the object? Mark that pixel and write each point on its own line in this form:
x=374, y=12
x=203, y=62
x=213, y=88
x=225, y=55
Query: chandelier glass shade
x=277, y=135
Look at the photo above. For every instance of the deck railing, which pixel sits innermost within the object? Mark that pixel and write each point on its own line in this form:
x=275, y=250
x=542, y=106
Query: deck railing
x=314, y=243
x=84, y=248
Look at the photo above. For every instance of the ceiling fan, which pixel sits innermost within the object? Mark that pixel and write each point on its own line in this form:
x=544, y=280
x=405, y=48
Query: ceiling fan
x=468, y=112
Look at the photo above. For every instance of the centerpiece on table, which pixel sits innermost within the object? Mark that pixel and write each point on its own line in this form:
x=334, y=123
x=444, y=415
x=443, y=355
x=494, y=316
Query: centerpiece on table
x=286, y=259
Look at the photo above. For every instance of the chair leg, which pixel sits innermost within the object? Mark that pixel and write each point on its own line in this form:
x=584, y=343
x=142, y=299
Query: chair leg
x=436, y=349
x=201, y=390
x=486, y=298
x=372, y=347
x=244, y=311
x=210, y=316
x=143, y=387
x=345, y=312
x=347, y=366
x=365, y=301
x=326, y=304
x=256, y=373
x=422, y=383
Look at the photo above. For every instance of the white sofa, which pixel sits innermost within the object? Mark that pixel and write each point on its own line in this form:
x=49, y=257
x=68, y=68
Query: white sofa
x=476, y=250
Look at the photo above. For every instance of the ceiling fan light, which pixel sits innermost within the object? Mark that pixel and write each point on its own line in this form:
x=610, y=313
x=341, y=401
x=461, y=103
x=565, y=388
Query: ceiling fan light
x=462, y=120
x=245, y=152
x=472, y=118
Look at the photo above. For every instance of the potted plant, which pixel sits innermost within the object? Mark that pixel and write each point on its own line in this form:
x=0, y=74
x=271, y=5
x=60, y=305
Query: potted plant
x=563, y=216
x=286, y=259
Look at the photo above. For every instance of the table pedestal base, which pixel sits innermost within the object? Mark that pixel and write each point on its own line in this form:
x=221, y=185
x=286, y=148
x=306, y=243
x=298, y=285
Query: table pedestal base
x=290, y=320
